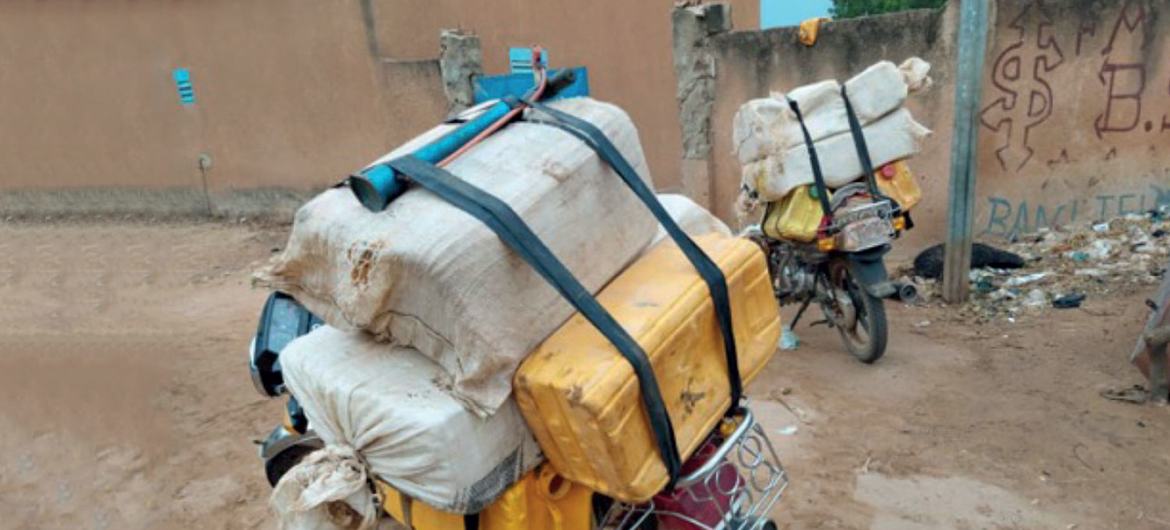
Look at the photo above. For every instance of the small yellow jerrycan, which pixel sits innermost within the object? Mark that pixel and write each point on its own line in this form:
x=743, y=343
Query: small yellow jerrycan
x=897, y=182
x=796, y=217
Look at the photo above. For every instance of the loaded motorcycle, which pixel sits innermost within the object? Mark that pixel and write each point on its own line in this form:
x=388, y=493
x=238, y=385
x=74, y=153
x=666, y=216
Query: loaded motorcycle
x=729, y=478
x=829, y=248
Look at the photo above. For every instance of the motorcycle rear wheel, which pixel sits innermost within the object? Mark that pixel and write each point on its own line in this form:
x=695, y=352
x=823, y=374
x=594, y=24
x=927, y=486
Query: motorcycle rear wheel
x=866, y=332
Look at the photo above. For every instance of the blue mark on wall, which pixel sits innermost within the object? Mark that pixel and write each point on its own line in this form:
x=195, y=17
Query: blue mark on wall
x=1006, y=218
x=497, y=86
x=183, y=83
x=520, y=59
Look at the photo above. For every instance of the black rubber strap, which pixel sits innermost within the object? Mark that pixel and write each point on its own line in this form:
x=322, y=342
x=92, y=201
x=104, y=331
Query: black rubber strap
x=707, y=269
x=861, y=146
x=471, y=521
x=498, y=216
x=818, y=176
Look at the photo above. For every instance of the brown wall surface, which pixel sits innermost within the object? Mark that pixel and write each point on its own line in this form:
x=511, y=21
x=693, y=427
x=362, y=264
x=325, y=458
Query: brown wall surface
x=1076, y=114
x=290, y=94
x=626, y=46
x=1073, y=127
x=287, y=96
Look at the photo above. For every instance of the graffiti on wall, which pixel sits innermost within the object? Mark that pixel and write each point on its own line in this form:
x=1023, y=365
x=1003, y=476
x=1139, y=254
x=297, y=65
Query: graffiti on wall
x=1020, y=76
x=1124, y=75
x=1113, y=105
x=1022, y=96
x=1006, y=217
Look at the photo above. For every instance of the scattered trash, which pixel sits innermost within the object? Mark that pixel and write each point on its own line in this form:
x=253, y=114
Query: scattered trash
x=1069, y=301
x=1018, y=281
x=787, y=430
x=1055, y=267
x=1036, y=298
x=922, y=324
x=788, y=339
x=1100, y=249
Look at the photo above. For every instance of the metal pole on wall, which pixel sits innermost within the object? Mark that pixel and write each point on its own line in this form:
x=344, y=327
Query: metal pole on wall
x=972, y=45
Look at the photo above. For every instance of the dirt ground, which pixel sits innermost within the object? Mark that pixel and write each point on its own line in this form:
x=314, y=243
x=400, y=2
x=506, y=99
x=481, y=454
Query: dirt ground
x=127, y=402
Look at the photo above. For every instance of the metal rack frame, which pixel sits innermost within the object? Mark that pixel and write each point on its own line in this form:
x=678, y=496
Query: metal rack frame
x=738, y=484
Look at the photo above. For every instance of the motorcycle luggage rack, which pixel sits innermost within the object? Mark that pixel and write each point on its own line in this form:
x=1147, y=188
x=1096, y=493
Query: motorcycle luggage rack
x=734, y=489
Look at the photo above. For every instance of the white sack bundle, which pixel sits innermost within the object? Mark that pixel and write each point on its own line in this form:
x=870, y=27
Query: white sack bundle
x=891, y=138
x=767, y=126
x=425, y=274
x=387, y=403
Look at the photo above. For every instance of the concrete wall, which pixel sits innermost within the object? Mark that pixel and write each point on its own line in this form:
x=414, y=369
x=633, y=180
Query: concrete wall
x=1074, y=125
x=625, y=44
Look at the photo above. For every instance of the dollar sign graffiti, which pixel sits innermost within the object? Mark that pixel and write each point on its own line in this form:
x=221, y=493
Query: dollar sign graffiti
x=1020, y=74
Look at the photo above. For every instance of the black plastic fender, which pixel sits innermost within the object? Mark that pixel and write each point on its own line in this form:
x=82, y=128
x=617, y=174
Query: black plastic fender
x=868, y=268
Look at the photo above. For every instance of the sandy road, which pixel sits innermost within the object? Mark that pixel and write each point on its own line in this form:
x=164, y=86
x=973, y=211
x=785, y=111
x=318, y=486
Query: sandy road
x=127, y=402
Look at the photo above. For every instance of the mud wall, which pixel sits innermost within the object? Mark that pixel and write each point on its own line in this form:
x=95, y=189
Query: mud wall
x=290, y=95
x=625, y=44
x=1074, y=123
x=287, y=99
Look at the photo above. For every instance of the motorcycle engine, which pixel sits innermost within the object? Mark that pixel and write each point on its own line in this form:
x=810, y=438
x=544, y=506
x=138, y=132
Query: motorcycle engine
x=794, y=280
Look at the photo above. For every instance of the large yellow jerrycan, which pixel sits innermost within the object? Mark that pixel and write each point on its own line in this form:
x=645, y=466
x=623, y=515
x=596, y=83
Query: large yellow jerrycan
x=542, y=499
x=581, y=398
x=796, y=217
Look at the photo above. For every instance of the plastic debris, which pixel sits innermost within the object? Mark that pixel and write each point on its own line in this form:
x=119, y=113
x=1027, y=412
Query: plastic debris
x=1018, y=281
x=788, y=339
x=1100, y=249
x=1036, y=298
x=1055, y=268
x=1069, y=301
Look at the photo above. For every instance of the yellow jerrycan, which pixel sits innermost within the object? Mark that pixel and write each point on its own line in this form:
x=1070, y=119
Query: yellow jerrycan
x=541, y=500
x=796, y=217
x=897, y=182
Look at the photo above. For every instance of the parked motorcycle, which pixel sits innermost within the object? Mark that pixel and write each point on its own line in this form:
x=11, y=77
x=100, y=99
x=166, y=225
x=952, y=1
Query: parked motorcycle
x=829, y=247
x=844, y=270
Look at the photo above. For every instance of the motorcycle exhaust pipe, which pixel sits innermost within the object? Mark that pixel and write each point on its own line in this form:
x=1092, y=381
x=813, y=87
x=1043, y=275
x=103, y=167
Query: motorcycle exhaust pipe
x=906, y=292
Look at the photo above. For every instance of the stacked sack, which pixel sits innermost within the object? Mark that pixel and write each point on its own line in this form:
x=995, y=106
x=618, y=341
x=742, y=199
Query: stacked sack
x=426, y=275
x=771, y=148
x=429, y=314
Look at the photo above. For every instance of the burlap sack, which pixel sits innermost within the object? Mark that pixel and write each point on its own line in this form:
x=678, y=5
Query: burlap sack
x=425, y=274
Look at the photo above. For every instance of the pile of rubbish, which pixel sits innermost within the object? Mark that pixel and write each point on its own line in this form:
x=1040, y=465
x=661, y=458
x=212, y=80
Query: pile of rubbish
x=1057, y=268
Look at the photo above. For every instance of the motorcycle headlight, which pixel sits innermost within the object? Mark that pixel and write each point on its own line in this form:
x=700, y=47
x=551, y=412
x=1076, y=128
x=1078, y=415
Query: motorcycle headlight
x=281, y=321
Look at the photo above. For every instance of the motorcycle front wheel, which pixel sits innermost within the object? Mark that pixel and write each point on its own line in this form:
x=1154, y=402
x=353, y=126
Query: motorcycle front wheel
x=861, y=317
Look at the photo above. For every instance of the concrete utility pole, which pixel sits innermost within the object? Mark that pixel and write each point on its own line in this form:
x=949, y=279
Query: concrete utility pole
x=972, y=45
